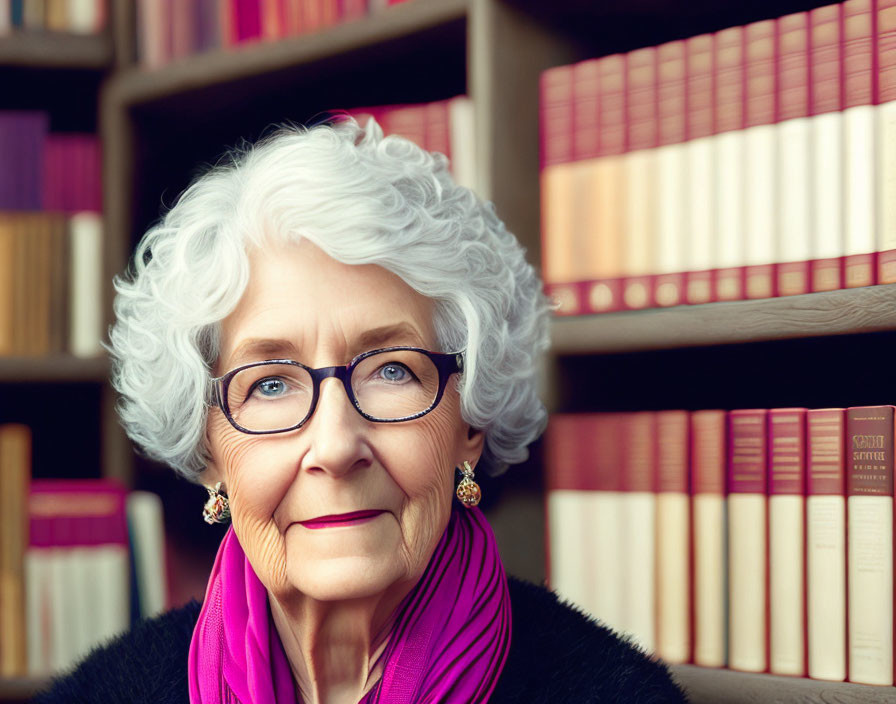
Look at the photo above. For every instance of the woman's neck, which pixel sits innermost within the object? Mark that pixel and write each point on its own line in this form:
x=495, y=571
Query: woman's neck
x=334, y=648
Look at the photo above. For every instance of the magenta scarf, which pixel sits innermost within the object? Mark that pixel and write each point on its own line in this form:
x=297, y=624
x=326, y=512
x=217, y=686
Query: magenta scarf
x=449, y=641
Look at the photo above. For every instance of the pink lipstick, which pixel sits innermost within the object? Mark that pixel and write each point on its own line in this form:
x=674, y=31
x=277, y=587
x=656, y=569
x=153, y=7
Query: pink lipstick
x=342, y=519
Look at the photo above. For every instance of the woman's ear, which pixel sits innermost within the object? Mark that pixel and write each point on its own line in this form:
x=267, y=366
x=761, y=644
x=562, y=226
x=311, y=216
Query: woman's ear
x=472, y=446
x=210, y=475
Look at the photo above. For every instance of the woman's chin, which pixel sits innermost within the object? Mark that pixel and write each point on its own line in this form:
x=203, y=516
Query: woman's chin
x=343, y=564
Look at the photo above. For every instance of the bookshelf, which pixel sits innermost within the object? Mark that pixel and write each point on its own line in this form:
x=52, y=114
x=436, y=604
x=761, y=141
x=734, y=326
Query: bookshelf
x=159, y=125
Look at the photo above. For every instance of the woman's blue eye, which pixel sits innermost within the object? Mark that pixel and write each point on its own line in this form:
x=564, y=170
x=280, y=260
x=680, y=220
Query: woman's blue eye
x=271, y=387
x=394, y=372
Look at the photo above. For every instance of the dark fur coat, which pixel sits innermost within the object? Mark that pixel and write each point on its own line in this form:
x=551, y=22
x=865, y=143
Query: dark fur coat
x=556, y=655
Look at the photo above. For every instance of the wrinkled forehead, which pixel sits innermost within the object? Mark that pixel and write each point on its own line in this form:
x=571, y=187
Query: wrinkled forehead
x=300, y=303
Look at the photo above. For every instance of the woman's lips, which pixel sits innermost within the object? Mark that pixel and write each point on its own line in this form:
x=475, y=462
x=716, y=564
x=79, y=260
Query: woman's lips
x=343, y=519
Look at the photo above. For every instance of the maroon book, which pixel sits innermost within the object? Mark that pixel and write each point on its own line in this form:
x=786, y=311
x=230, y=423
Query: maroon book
x=728, y=116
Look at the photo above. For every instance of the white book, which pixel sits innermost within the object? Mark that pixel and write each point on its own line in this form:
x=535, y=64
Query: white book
x=826, y=586
x=747, y=582
x=673, y=576
x=38, y=583
x=640, y=213
x=638, y=572
x=569, y=530
x=760, y=194
x=729, y=215
x=672, y=172
x=462, y=121
x=86, y=293
x=886, y=179
x=84, y=16
x=827, y=186
x=146, y=526
x=710, y=586
x=794, y=205
x=786, y=541
x=870, y=589
x=111, y=591
x=558, y=191
x=859, y=182
x=604, y=599
x=700, y=204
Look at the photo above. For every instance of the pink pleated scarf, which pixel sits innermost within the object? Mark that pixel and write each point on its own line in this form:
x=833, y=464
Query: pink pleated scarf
x=449, y=641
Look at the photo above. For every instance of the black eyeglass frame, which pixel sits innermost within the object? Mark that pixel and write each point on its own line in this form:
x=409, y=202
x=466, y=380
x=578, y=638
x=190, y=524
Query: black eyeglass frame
x=446, y=364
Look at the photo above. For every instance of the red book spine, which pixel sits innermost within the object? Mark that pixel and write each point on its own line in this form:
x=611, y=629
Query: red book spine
x=825, y=64
x=793, y=103
x=638, y=452
x=438, y=128
x=825, y=96
x=585, y=126
x=858, y=53
x=699, y=123
x=760, y=96
x=787, y=475
x=747, y=452
x=885, y=47
x=728, y=116
x=761, y=91
x=556, y=87
x=793, y=66
x=673, y=461
x=671, y=95
x=611, y=108
x=641, y=133
x=869, y=470
x=641, y=99
x=825, y=468
x=669, y=287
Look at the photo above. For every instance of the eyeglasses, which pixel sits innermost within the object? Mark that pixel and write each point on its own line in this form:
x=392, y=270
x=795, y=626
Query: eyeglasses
x=387, y=385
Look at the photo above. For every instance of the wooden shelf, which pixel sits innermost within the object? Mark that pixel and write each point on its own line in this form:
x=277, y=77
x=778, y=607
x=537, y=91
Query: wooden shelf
x=849, y=311
x=222, y=68
x=56, y=50
x=54, y=368
x=719, y=686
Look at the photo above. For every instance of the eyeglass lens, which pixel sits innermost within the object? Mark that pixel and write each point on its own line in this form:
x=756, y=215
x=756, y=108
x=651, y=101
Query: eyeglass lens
x=389, y=385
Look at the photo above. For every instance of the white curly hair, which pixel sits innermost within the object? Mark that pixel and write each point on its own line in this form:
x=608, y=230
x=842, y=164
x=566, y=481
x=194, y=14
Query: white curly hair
x=363, y=199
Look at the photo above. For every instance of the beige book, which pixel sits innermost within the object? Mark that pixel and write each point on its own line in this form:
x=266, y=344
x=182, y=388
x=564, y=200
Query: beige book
x=710, y=599
x=826, y=586
x=673, y=576
x=786, y=603
x=746, y=582
x=638, y=568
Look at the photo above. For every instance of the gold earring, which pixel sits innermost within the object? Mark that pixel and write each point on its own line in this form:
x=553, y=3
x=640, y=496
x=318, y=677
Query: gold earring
x=468, y=491
x=217, y=508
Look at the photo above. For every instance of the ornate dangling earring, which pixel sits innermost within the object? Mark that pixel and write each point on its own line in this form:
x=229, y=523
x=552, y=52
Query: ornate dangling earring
x=217, y=508
x=468, y=491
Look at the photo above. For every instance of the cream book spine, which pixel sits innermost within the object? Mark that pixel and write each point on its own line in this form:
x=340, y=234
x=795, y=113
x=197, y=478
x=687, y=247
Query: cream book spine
x=826, y=544
x=86, y=323
x=786, y=507
x=747, y=540
x=869, y=488
x=673, y=537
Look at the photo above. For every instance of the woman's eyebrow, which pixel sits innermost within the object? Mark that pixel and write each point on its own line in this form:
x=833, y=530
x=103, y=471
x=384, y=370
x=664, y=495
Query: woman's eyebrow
x=255, y=349
x=399, y=333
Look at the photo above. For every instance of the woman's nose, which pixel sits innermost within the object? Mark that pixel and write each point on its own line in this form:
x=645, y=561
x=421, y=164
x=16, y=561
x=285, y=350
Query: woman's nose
x=336, y=432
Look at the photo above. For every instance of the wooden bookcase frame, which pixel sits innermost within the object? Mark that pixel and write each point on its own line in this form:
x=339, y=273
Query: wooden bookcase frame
x=504, y=45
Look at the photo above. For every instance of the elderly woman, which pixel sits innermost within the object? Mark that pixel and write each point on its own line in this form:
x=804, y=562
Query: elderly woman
x=325, y=332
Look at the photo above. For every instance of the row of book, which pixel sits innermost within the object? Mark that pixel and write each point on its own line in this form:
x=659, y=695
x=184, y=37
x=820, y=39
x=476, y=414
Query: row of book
x=75, y=16
x=754, y=162
x=759, y=539
x=80, y=560
x=51, y=239
x=170, y=31
x=443, y=126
